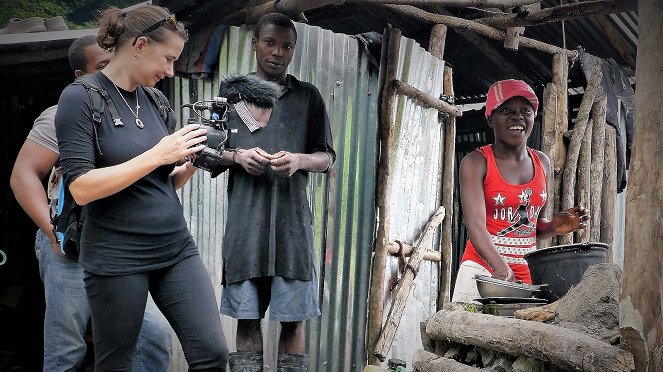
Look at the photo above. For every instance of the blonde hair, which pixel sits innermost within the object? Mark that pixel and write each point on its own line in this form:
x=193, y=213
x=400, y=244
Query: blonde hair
x=117, y=26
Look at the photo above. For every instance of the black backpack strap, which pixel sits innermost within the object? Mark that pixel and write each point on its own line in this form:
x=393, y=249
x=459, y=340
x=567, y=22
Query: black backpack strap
x=165, y=111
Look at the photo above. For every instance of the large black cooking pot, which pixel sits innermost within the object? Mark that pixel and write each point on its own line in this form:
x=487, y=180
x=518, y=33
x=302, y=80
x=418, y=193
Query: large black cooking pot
x=562, y=266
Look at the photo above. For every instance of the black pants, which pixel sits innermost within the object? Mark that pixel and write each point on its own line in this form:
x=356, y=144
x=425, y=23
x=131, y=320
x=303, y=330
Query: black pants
x=184, y=294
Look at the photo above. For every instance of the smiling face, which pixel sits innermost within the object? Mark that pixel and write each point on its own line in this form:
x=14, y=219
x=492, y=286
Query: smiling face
x=155, y=59
x=274, y=49
x=512, y=121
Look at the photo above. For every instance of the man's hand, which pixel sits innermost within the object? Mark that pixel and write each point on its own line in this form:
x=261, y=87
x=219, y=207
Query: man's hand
x=285, y=163
x=254, y=160
x=504, y=272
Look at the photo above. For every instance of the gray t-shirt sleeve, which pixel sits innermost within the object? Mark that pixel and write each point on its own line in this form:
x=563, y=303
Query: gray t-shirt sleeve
x=43, y=130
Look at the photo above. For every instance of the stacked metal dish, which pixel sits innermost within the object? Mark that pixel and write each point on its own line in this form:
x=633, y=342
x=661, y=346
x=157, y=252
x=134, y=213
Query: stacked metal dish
x=503, y=298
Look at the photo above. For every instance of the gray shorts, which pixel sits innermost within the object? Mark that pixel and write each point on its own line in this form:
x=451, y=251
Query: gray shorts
x=289, y=300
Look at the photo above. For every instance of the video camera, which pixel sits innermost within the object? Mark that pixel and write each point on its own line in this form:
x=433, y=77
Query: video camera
x=233, y=90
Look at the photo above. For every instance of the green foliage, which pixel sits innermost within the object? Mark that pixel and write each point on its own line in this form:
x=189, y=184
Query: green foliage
x=77, y=13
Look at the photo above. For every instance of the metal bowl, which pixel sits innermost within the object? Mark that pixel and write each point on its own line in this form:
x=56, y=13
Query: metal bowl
x=508, y=310
x=491, y=287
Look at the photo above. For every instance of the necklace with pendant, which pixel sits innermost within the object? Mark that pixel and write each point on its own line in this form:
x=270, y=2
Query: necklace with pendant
x=139, y=123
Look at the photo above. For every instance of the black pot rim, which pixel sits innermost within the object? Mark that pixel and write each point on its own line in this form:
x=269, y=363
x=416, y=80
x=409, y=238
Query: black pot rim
x=588, y=245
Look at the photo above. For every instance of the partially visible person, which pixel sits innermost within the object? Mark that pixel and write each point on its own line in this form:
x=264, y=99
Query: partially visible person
x=67, y=310
x=504, y=196
x=135, y=239
x=268, y=241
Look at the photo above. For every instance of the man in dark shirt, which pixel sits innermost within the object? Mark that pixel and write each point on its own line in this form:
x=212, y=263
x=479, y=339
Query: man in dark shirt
x=268, y=242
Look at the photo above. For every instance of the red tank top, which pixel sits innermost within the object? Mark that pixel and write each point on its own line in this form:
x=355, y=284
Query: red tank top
x=511, y=214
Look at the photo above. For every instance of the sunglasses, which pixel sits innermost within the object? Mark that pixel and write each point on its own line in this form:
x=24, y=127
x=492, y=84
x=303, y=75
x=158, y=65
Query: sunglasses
x=154, y=26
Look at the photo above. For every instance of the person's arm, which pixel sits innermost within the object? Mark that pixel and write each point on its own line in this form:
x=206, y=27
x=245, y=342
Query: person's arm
x=563, y=222
x=33, y=163
x=182, y=174
x=472, y=174
x=285, y=163
x=99, y=183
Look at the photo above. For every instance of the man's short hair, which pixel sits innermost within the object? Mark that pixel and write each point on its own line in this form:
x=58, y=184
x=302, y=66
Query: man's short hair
x=77, y=58
x=276, y=19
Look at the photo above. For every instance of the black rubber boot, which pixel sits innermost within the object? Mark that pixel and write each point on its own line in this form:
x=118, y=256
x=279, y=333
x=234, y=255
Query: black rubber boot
x=245, y=361
x=292, y=362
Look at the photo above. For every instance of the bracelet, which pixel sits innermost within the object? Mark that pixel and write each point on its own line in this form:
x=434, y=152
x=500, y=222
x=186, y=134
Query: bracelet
x=235, y=151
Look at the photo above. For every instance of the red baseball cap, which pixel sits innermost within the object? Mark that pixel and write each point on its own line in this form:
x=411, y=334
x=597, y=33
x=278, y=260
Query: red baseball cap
x=501, y=91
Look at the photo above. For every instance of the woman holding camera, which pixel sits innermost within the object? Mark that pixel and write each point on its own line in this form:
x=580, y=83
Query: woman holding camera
x=135, y=238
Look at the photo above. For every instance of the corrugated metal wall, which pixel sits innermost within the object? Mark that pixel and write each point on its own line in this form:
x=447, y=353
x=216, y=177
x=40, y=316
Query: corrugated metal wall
x=415, y=188
x=342, y=202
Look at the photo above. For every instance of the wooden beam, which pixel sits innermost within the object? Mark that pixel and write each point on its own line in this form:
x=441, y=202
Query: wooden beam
x=560, y=79
x=501, y=4
x=560, y=13
x=404, y=285
x=616, y=40
x=561, y=347
x=464, y=24
x=583, y=185
x=251, y=14
x=421, y=96
x=609, y=190
x=438, y=38
x=389, y=63
x=429, y=254
x=512, y=38
x=598, y=154
x=548, y=137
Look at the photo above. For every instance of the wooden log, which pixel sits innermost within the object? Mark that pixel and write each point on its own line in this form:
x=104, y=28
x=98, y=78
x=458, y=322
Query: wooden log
x=615, y=38
x=641, y=291
x=448, y=176
x=564, y=348
x=438, y=39
x=501, y=4
x=538, y=314
x=251, y=14
x=425, y=361
x=512, y=37
x=609, y=190
x=560, y=13
x=461, y=24
x=548, y=136
x=403, y=289
x=429, y=254
x=567, y=199
x=429, y=345
x=421, y=96
x=584, y=179
x=598, y=154
x=389, y=64
x=560, y=80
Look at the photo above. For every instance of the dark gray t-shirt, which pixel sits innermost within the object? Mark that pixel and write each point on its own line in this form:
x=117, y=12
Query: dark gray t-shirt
x=137, y=229
x=269, y=226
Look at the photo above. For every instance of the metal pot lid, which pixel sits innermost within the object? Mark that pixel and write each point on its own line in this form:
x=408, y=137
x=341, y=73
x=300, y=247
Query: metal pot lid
x=565, y=247
x=504, y=283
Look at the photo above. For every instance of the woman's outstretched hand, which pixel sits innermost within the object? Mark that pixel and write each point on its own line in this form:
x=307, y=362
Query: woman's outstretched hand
x=182, y=144
x=570, y=220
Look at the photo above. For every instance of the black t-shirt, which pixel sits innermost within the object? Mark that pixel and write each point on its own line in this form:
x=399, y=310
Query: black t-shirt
x=137, y=229
x=269, y=228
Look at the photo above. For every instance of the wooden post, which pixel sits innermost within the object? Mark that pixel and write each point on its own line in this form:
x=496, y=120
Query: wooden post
x=609, y=189
x=448, y=187
x=392, y=42
x=512, y=37
x=403, y=290
x=438, y=38
x=429, y=254
x=598, y=154
x=548, y=137
x=584, y=179
x=640, y=315
x=569, y=177
x=422, y=97
x=560, y=81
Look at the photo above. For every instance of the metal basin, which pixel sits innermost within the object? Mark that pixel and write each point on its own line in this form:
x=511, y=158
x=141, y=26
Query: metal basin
x=507, y=310
x=491, y=287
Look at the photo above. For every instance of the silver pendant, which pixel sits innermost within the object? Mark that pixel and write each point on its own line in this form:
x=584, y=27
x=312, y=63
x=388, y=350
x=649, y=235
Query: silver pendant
x=139, y=123
x=118, y=122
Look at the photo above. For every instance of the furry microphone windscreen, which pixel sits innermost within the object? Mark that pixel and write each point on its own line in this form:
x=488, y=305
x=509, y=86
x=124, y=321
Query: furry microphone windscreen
x=251, y=89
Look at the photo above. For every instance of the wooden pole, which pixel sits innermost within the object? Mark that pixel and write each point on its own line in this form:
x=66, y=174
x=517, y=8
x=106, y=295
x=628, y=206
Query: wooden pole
x=584, y=179
x=438, y=39
x=615, y=38
x=548, y=137
x=250, y=15
x=609, y=190
x=461, y=24
x=448, y=187
x=429, y=254
x=425, y=361
x=569, y=177
x=405, y=284
x=598, y=154
x=560, y=80
x=391, y=50
x=421, y=96
x=512, y=37
x=560, y=13
x=501, y=4
x=640, y=313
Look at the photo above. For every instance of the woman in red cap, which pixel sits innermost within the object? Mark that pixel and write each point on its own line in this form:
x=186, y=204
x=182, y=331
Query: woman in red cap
x=503, y=194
